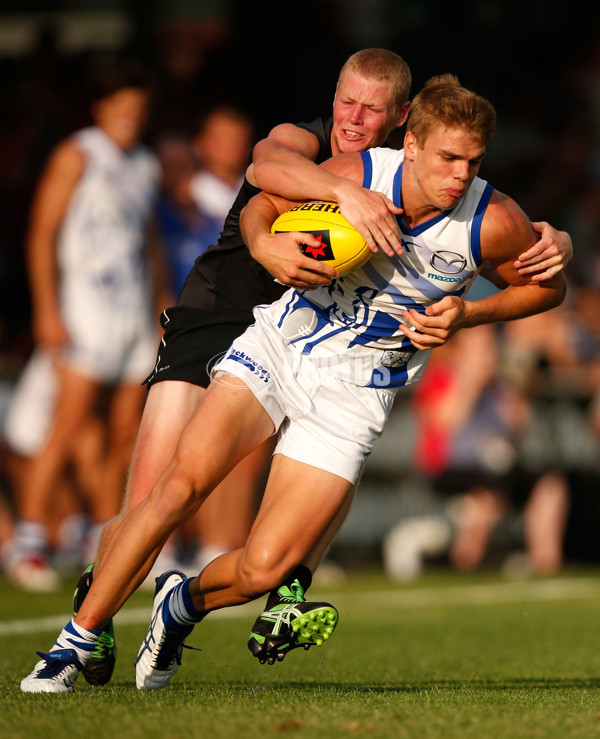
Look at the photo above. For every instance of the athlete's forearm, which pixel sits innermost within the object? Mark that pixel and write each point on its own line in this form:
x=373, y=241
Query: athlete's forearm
x=256, y=220
x=515, y=302
x=443, y=319
x=295, y=177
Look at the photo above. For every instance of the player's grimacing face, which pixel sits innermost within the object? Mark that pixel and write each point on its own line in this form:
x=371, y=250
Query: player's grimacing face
x=446, y=165
x=364, y=113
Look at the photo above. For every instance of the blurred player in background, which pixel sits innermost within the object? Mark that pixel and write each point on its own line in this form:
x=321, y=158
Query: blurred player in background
x=93, y=298
x=222, y=145
x=182, y=230
x=201, y=177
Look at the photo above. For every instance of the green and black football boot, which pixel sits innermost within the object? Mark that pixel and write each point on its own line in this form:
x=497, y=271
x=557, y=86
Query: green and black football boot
x=100, y=666
x=289, y=622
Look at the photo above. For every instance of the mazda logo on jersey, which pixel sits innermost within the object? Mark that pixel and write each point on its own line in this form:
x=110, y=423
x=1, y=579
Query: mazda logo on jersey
x=448, y=262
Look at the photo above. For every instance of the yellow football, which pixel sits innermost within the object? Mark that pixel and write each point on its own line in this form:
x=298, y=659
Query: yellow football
x=342, y=246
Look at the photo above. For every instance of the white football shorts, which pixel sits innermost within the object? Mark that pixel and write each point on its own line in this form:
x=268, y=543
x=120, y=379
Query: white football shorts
x=109, y=344
x=32, y=405
x=322, y=421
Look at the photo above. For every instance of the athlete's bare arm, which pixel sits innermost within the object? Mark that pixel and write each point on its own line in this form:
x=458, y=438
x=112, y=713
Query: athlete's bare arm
x=261, y=211
x=505, y=233
x=284, y=163
x=542, y=261
x=53, y=194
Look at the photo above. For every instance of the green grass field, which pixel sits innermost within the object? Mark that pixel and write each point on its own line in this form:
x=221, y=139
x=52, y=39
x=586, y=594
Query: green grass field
x=450, y=656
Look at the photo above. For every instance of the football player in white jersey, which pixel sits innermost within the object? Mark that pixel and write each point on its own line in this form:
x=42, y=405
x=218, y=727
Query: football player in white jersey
x=93, y=304
x=326, y=424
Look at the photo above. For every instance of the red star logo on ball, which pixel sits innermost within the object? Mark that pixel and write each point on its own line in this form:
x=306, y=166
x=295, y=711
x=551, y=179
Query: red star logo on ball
x=316, y=251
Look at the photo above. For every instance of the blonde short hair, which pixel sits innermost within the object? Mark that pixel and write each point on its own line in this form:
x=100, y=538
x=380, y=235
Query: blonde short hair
x=383, y=66
x=443, y=100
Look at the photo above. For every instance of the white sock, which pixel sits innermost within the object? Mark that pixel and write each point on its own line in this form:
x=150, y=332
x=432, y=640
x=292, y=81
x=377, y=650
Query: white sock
x=30, y=536
x=72, y=530
x=77, y=638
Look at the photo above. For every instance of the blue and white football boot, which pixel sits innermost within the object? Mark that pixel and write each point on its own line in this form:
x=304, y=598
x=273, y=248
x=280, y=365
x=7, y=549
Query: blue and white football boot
x=159, y=656
x=56, y=672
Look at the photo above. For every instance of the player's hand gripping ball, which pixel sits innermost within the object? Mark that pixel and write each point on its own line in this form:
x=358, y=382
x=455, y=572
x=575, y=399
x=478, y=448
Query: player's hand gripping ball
x=341, y=245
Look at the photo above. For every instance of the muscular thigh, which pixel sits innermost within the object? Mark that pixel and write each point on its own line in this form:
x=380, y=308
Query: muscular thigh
x=228, y=424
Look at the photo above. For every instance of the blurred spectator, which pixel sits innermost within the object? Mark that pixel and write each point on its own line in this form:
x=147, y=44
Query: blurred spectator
x=469, y=424
x=557, y=362
x=200, y=181
x=93, y=305
x=222, y=144
x=183, y=230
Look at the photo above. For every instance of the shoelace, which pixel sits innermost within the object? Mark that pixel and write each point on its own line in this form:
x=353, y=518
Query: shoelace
x=55, y=664
x=292, y=594
x=105, y=645
x=172, y=650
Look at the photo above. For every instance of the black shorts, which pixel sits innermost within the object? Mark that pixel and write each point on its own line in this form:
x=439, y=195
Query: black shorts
x=214, y=308
x=194, y=340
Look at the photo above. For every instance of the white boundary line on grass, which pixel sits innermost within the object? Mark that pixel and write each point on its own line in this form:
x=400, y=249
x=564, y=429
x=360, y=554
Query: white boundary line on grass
x=486, y=594
x=560, y=589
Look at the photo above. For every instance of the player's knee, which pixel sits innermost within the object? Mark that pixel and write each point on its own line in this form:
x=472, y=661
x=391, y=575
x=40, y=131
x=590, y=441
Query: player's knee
x=177, y=497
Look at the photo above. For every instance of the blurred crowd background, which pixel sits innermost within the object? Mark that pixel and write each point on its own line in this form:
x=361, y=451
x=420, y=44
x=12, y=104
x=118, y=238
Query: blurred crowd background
x=494, y=459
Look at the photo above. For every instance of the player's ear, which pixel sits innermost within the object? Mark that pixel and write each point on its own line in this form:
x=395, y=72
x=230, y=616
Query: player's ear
x=402, y=114
x=410, y=144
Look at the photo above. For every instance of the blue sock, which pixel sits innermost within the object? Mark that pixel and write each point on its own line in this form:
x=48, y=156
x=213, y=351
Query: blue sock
x=179, y=613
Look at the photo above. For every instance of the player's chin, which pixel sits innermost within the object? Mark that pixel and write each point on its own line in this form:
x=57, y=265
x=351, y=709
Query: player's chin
x=348, y=144
x=449, y=200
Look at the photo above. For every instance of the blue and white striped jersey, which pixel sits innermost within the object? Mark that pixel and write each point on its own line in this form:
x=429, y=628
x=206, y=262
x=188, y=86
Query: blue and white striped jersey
x=351, y=328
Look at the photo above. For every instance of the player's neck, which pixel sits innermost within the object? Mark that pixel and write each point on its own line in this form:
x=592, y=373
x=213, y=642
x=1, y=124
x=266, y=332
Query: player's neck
x=416, y=208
